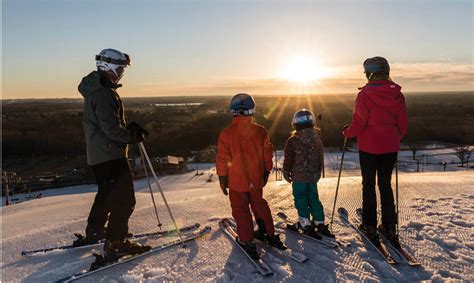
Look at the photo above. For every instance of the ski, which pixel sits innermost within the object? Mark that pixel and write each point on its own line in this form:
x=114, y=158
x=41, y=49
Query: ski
x=137, y=236
x=290, y=226
x=227, y=228
x=400, y=251
x=381, y=249
x=296, y=256
x=176, y=242
x=285, y=218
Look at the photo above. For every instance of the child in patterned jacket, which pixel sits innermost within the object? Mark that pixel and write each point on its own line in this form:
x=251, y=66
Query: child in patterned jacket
x=304, y=157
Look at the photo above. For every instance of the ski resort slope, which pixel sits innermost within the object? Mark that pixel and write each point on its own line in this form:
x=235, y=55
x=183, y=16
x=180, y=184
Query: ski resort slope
x=436, y=215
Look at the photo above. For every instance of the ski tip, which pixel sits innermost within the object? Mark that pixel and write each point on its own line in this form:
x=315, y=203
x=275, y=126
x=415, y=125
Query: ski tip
x=206, y=229
x=282, y=215
x=342, y=211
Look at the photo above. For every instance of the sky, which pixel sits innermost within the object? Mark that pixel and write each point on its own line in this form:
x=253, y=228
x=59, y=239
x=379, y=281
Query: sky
x=225, y=47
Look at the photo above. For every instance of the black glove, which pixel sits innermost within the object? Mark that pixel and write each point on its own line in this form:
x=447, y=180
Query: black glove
x=223, y=182
x=138, y=132
x=287, y=176
x=266, y=174
x=317, y=176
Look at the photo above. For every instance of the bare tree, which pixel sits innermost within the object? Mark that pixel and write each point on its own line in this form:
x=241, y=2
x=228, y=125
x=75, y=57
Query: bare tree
x=463, y=152
x=415, y=147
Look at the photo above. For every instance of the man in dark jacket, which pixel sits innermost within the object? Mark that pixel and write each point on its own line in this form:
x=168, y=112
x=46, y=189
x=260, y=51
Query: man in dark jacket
x=107, y=136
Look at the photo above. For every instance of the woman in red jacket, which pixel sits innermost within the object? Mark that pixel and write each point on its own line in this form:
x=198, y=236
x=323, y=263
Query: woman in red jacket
x=379, y=122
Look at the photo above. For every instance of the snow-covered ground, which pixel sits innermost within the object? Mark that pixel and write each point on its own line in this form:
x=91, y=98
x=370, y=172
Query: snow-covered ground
x=436, y=214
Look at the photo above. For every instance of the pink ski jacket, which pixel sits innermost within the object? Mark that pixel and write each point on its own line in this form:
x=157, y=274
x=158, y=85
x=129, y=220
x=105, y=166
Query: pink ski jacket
x=380, y=118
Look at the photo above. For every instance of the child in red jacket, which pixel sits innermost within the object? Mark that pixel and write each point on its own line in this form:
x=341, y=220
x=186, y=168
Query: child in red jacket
x=379, y=122
x=244, y=161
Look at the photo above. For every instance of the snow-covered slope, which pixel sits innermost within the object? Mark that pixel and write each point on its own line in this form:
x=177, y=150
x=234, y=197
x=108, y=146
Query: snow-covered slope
x=437, y=222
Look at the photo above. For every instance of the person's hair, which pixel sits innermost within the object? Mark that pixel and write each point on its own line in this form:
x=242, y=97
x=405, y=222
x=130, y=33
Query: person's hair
x=378, y=76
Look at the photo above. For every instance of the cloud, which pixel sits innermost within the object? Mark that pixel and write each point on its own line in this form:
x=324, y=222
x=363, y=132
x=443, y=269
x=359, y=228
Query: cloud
x=427, y=76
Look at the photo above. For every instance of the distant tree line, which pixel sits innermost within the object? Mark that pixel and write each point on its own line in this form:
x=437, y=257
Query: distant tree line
x=55, y=126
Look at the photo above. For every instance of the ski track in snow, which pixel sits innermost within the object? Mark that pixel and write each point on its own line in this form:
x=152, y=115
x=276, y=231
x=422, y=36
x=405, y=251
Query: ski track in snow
x=436, y=215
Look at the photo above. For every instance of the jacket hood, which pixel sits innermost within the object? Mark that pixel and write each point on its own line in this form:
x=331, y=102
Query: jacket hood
x=383, y=93
x=93, y=82
x=307, y=136
x=90, y=84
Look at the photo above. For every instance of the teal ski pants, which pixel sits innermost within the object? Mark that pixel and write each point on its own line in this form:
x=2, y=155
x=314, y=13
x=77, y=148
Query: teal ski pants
x=307, y=201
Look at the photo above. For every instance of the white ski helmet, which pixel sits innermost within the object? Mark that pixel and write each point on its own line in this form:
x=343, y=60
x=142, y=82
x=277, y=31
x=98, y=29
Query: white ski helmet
x=112, y=60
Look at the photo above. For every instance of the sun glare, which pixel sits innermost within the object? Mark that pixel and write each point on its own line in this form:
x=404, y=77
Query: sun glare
x=303, y=70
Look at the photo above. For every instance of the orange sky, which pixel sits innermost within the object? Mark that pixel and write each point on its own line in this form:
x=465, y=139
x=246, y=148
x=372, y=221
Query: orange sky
x=216, y=48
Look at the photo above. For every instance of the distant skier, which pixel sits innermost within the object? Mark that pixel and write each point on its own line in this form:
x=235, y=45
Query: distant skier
x=304, y=158
x=379, y=122
x=244, y=161
x=107, y=136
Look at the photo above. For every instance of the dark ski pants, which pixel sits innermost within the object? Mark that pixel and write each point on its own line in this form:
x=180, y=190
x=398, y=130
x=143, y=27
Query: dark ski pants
x=240, y=202
x=380, y=165
x=115, y=198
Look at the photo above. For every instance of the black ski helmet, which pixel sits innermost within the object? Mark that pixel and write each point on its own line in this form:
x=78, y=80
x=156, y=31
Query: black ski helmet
x=376, y=66
x=303, y=119
x=242, y=104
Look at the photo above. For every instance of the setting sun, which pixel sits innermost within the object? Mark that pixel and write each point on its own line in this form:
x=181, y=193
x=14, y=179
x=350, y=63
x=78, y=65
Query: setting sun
x=303, y=70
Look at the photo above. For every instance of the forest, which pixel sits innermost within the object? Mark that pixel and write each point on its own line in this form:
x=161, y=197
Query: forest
x=50, y=129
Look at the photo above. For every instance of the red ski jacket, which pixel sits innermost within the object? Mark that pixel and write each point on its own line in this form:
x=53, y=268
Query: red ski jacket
x=380, y=118
x=244, y=153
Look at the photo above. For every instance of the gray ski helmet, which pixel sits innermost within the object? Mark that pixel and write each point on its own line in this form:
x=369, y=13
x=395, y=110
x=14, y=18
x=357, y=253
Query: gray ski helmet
x=112, y=60
x=376, y=65
x=303, y=116
x=242, y=104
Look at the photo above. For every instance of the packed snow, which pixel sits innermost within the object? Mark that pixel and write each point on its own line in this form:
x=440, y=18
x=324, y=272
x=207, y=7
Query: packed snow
x=436, y=215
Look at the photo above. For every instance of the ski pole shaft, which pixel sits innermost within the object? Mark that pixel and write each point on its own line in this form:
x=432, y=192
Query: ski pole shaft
x=338, y=180
x=149, y=187
x=396, y=191
x=161, y=191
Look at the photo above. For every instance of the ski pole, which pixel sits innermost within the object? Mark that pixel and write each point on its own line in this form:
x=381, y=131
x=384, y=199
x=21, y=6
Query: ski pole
x=161, y=191
x=337, y=185
x=396, y=190
x=149, y=187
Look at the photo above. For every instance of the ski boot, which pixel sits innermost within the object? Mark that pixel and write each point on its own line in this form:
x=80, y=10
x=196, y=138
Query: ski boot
x=390, y=232
x=307, y=227
x=113, y=250
x=250, y=248
x=370, y=232
x=93, y=236
x=276, y=242
x=323, y=229
x=262, y=235
x=261, y=232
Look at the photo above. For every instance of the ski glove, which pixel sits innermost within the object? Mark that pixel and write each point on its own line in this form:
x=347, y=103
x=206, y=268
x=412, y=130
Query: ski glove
x=266, y=174
x=317, y=176
x=138, y=132
x=287, y=176
x=344, y=129
x=223, y=182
